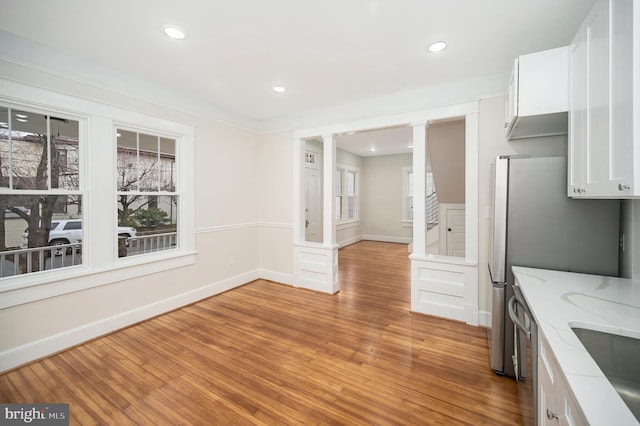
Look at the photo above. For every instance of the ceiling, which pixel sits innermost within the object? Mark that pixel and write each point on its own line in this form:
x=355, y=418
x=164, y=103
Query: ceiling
x=330, y=55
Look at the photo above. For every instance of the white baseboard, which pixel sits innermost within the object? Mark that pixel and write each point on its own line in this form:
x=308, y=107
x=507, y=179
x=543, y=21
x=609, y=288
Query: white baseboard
x=277, y=277
x=350, y=241
x=388, y=239
x=484, y=318
x=20, y=355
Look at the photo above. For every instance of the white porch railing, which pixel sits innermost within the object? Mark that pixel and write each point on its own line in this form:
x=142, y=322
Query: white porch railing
x=25, y=261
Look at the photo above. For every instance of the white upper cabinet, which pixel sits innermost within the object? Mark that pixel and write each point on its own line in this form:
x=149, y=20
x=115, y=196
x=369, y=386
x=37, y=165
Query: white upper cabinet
x=604, y=103
x=537, y=97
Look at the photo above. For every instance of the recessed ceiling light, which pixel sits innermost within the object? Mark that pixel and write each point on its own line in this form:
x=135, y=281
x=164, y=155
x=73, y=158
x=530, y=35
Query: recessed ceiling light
x=279, y=89
x=372, y=149
x=174, y=32
x=410, y=146
x=437, y=46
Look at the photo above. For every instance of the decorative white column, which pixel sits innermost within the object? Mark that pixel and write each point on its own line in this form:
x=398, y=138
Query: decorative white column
x=419, y=189
x=471, y=188
x=329, y=198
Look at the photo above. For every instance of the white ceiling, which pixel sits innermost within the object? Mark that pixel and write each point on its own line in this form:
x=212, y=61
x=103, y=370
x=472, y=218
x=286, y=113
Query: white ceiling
x=330, y=54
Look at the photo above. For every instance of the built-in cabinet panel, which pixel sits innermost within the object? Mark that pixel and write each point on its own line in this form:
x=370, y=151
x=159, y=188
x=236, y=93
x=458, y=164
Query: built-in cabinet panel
x=556, y=404
x=603, y=150
x=537, y=96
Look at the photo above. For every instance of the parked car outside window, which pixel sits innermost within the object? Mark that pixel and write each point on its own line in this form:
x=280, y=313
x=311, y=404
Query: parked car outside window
x=69, y=231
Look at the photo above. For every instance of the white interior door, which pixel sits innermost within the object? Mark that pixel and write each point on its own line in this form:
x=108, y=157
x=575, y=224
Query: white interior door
x=313, y=204
x=455, y=232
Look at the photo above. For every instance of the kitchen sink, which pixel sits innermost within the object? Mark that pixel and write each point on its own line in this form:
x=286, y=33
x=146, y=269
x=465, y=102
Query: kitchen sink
x=619, y=359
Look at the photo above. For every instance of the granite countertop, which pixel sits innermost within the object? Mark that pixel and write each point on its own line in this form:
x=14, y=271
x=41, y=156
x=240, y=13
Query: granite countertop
x=559, y=300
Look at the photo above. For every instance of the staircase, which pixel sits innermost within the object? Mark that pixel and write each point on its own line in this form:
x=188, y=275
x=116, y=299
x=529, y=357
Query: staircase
x=432, y=218
x=433, y=210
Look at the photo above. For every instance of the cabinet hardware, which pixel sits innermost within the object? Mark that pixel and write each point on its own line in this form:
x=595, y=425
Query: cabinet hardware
x=551, y=415
x=623, y=187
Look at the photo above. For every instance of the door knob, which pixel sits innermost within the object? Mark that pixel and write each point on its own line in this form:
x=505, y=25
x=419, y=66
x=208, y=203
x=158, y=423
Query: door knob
x=449, y=229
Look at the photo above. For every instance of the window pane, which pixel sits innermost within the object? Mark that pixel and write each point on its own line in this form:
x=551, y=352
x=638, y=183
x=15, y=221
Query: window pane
x=338, y=208
x=25, y=151
x=65, y=169
x=168, y=164
x=410, y=184
x=338, y=182
x=154, y=222
x=145, y=162
x=30, y=241
x=351, y=207
x=410, y=206
x=351, y=183
x=430, y=185
x=127, y=160
x=148, y=162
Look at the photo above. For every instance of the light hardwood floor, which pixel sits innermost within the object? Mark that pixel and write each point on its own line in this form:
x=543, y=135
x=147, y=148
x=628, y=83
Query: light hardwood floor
x=270, y=354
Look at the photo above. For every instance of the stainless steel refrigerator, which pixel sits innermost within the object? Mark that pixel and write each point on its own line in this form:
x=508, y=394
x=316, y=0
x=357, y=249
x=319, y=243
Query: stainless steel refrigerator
x=536, y=225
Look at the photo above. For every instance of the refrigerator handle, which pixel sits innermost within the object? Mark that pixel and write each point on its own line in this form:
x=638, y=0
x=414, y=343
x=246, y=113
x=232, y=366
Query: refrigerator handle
x=514, y=317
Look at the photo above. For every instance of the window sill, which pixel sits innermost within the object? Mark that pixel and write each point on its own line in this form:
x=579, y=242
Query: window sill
x=25, y=289
x=347, y=224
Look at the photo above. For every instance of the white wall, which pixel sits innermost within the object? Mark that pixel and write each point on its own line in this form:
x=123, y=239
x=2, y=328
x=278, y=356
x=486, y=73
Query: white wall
x=383, y=198
x=275, y=183
x=630, y=229
x=445, y=147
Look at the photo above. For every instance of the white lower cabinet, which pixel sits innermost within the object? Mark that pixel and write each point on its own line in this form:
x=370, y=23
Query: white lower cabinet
x=556, y=405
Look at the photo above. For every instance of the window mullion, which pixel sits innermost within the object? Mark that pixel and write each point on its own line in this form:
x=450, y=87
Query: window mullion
x=48, y=154
x=138, y=171
x=10, y=121
x=158, y=164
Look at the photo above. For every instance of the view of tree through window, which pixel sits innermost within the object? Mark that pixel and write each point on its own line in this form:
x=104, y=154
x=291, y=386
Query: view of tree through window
x=39, y=182
x=147, y=198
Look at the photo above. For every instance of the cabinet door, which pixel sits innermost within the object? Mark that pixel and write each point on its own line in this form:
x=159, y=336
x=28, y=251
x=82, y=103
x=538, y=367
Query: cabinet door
x=601, y=121
x=577, y=112
x=571, y=412
x=596, y=143
x=548, y=412
x=511, y=101
x=621, y=179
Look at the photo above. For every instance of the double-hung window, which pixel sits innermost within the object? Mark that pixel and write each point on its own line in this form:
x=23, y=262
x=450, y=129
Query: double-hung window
x=431, y=197
x=63, y=229
x=346, y=194
x=147, y=199
x=40, y=185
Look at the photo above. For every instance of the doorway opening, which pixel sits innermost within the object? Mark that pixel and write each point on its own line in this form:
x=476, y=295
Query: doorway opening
x=455, y=264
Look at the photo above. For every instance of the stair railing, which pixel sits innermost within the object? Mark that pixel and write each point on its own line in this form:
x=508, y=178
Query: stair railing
x=433, y=210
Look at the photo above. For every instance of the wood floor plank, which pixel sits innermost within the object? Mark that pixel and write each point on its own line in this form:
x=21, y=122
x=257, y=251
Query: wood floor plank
x=267, y=354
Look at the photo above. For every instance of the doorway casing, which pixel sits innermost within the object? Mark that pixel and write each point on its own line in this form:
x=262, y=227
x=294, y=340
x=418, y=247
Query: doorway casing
x=440, y=285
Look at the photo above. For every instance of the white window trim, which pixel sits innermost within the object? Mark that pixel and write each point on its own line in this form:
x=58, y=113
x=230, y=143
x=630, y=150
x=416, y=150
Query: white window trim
x=344, y=168
x=101, y=265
